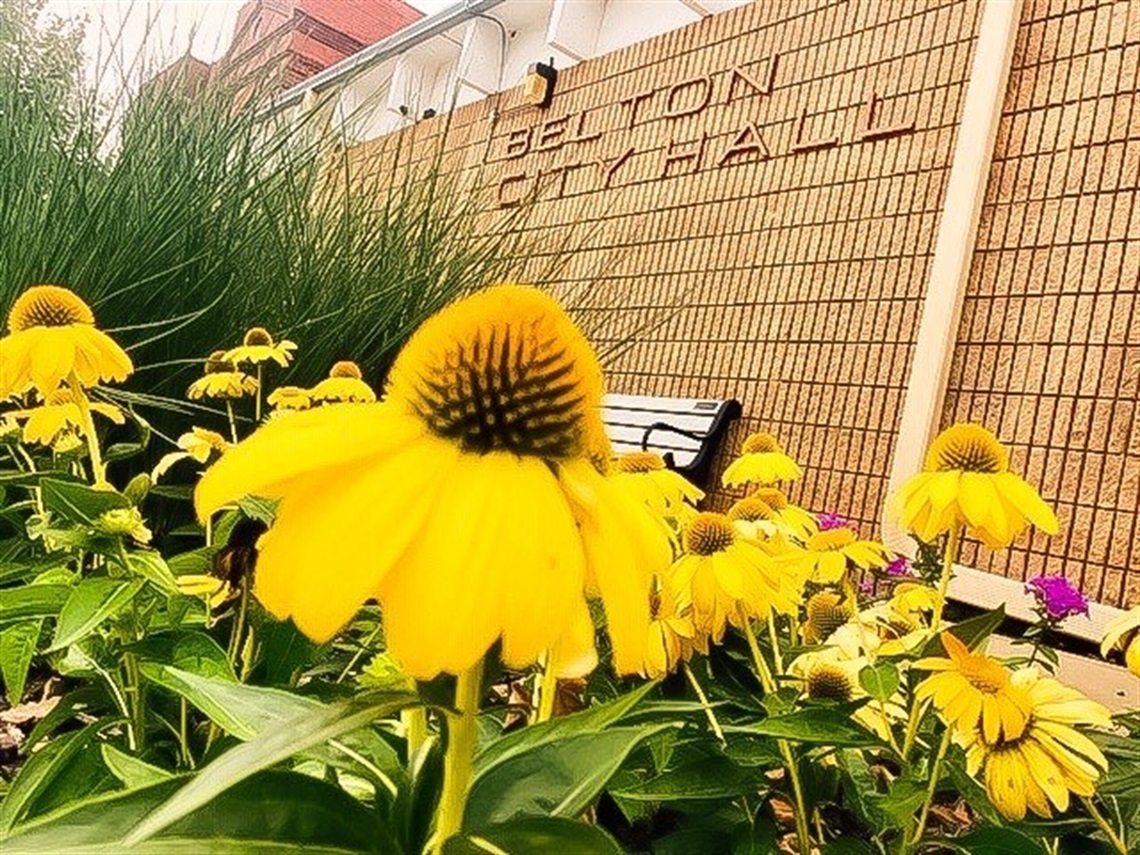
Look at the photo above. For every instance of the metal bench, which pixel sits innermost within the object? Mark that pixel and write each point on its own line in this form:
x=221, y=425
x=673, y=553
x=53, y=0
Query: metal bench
x=685, y=431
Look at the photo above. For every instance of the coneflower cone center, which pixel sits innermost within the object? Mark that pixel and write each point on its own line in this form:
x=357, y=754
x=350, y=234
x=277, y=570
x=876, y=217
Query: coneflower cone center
x=215, y=364
x=826, y=612
x=772, y=497
x=829, y=683
x=760, y=442
x=984, y=675
x=48, y=306
x=257, y=336
x=637, y=462
x=750, y=510
x=967, y=448
x=503, y=370
x=709, y=534
x=346, y=369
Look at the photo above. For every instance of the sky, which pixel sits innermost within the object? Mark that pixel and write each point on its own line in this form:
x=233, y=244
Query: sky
x=202, y=26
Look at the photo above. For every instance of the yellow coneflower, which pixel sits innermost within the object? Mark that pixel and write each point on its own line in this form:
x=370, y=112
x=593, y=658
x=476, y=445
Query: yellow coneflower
x=222, y=380
x=665, y=492
x=966, y=482
x=60, y=415
x=762, y=462
x=914, y=602
x=52, y=337
x=1123, y=632
x=796, y=521
x=465, y=501
x=1049, y=759
x=723, y=574
x=344, y=384
x=672, y=634
x=832, y=674
x=258, y=346
x=971, y=690
x=825, y=612
x=825, y=556
x=198, y=444
x=289, y=398
x=754, y=519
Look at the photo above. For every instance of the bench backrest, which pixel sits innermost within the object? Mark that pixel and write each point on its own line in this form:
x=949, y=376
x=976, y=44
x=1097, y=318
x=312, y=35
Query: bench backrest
x=685, y=431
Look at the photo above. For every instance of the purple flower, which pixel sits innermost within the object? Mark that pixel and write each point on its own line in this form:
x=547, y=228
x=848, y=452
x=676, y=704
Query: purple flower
x=866, y=586
x=900, y=567
x=828, y=521
x=1057, y=597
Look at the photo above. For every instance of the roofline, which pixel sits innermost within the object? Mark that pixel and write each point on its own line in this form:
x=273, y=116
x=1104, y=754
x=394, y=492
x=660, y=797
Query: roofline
x=395, y=44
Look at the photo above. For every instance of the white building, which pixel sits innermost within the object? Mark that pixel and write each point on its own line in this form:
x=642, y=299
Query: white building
x=476, y=48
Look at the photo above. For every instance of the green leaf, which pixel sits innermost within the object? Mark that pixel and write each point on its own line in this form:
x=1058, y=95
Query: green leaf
x=278, y=812
x=535, y=836
x=880, y=680
x=17, y=647
x=972, y=632
x=815, y=725
x=703, y=778
x=995, y=841
x=199, y=654
x=131, y=771
x=560, y=778
x=151, y=567
x=591, y=720
x=90, y=603
x=32, y=601
x=307, y=730
x=78, y=502
x=848, y=846
x=256, y=508
x=43, y=771
x=240, y=710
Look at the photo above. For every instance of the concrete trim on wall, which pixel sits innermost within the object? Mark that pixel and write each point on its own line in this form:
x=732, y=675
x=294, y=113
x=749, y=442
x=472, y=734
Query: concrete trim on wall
x=942, y=308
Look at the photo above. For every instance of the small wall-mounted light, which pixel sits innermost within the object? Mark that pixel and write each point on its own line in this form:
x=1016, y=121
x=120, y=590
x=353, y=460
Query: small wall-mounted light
x=538, y=88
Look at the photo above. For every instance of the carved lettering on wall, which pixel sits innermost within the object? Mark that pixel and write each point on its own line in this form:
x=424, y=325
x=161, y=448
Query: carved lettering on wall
x=686, y=156
x=750, y=141
x=869, y=132
x=688, y=97
x=759, y=139
x=803, y=142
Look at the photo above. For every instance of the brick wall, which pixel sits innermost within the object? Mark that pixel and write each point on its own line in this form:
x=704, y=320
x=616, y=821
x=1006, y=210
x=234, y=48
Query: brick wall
x=753, y=201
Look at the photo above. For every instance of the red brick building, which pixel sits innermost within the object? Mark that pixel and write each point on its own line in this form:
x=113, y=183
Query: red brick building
x=308, y=36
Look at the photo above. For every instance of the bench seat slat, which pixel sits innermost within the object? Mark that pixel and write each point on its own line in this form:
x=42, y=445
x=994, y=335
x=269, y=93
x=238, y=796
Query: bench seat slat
x=642, y=420
x=658, y=439
x=662, y=405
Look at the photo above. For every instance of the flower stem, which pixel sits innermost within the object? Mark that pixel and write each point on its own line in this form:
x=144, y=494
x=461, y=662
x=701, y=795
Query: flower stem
x=935, y=773
x=777, y=656
x=462, y=731
x=233, y=649
x=953, y=541
x=763, y=672
x=705, y=705
x=1105, y=826
x=802, y=830
x=257, y=398
x=98, y=470
x=916, y=713
x=233, y=421
x=415, y=729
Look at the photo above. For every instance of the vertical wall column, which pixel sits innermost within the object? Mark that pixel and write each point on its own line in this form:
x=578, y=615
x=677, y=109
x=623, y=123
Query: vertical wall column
x=954, y=244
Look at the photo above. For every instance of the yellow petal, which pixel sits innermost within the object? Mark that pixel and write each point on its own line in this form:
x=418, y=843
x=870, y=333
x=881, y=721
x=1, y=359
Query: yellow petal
x=309, y=441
